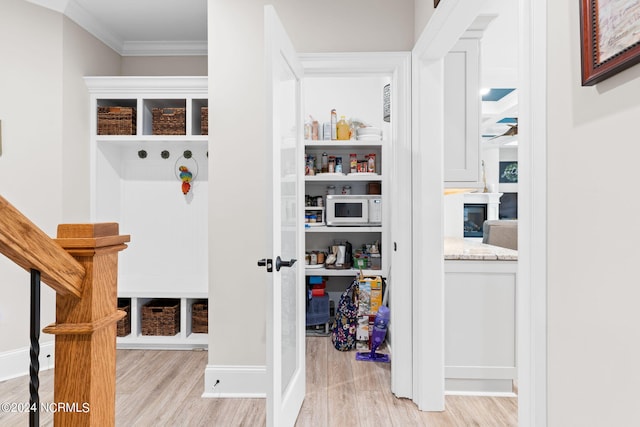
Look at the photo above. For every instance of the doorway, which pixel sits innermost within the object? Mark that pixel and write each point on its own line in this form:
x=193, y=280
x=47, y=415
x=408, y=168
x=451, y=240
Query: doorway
x=448, y=22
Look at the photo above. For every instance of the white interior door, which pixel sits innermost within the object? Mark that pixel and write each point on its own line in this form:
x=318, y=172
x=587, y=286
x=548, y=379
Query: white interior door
x=286, y=293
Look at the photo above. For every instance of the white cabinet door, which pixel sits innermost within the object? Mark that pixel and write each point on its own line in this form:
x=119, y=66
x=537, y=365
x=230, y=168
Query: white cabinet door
x=462, y=114
x=286, y=293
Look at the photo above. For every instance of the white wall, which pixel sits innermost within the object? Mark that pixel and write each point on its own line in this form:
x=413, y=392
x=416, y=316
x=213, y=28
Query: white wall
x=423, y=9
x=164, y=66
x=44, y=162
x=236, y=129
x=593, y=287
x=83, y=55
x=30, y=172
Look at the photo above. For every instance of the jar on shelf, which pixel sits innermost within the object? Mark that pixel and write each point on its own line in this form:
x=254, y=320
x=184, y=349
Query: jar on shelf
x=371, y=162
x=343, y=129
x=338, y=164
x=353, y=163
x=309, y=170
x=325, y=163
x=331, y=189
x=346, y=189
x=332, y=164
x=362, y=166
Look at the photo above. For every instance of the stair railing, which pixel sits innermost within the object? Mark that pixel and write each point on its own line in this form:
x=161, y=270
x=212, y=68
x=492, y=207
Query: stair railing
x=81, y=265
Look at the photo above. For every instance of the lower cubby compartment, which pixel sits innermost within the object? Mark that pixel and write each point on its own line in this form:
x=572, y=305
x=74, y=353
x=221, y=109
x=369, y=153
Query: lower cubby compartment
x=161, y=317
x=171, y=326
x=124, y=325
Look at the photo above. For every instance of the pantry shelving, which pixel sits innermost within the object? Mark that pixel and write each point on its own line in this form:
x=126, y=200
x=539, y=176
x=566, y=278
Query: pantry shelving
x=361, y=96
x=135, y=181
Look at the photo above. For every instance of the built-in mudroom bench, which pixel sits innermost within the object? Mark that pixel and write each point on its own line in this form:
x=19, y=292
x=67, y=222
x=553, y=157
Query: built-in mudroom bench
x=149, y=155
x=480, y=318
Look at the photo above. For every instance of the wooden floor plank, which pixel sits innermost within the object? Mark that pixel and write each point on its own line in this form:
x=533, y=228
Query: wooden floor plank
x=164, y=388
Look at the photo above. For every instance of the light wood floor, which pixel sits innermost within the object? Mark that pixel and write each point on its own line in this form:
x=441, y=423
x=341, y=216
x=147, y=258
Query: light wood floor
x=163, y=388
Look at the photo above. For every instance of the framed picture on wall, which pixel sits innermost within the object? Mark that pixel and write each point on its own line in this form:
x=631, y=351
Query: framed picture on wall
x=610, y=38
x=508, y=173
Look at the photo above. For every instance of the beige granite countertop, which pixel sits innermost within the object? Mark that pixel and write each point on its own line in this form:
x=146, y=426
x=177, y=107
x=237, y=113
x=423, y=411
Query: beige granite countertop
x=461, y=249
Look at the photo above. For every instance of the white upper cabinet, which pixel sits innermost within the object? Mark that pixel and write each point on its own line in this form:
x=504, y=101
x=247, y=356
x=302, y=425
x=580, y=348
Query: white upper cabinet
x=462, y=115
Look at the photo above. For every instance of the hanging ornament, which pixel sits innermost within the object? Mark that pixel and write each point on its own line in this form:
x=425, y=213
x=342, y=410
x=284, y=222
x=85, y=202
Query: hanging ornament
x=185, y=176
x=186, y=170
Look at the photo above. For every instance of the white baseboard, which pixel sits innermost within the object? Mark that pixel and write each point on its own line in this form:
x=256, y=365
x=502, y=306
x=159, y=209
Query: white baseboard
x=235, y=381
x=15, y=363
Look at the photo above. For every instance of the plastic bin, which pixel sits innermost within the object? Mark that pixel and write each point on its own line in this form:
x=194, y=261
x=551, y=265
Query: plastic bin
x=318, y=311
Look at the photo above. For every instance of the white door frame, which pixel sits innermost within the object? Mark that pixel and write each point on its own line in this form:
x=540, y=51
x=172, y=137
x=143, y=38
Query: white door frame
x=447, y=24
x=396, y=191
x=532, y=213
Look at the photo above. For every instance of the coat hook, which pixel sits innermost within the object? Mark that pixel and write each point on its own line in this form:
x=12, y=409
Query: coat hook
x=142, y=154
x=187, y=154
x=165, y=154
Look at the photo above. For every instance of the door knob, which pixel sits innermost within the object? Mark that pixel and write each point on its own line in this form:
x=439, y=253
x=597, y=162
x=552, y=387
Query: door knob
x=266, y=262
x=280, y=263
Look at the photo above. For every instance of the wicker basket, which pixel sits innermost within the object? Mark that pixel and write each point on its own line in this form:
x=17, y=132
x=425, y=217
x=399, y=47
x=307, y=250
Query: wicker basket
x=200, y=317
x=204, y=120
x=124, y=325
x=116, y=121
x=169, y=121
x=161, y=317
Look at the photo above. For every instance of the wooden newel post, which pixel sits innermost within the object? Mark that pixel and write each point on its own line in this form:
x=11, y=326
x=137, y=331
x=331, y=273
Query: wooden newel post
x=85, y=328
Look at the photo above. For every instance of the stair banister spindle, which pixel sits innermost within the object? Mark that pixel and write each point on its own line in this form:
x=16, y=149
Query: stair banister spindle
x=34, y=353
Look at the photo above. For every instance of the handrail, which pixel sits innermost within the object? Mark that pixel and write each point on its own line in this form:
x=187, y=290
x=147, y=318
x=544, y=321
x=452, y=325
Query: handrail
x=30, y=248
x=81, y=265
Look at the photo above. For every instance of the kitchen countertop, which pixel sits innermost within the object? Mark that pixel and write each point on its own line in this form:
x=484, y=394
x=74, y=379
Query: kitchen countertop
x=461, y=249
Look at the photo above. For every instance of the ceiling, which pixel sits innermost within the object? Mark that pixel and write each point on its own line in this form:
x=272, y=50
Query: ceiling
x=499, y=70
x=141, y=27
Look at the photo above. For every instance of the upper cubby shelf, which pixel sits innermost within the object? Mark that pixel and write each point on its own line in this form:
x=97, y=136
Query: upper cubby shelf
x=149, y=108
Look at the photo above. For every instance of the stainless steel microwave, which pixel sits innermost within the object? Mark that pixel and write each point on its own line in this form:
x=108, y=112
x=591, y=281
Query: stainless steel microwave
x=354, y=210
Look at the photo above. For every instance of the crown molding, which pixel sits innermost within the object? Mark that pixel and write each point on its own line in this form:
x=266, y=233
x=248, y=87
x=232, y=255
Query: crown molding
x=79, y=15
x=57, y=5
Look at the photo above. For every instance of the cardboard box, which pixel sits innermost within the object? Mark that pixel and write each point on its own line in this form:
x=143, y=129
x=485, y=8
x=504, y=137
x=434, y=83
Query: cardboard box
x=370, y=296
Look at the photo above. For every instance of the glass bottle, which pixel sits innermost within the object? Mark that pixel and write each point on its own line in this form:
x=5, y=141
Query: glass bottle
x=343, y=129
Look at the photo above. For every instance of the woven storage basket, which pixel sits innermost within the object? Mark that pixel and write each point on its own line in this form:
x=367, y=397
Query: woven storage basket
x=116, y=121
x=204, y=120
x=200, y=317
x=169, y=121
x=161, y=317
x=124, y=325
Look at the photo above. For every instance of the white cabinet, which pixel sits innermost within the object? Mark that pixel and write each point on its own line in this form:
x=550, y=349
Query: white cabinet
x=136, y=181
x=480, y=326
x=462, y=115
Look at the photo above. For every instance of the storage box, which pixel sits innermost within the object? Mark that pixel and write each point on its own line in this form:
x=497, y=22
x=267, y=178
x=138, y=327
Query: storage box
x=374, y=188
x=362, y=333
x=200, y=317
x=375, y=262
x=318, y=311
x=169, y=121
x=370, y=296
x=161, y=317
x=116, y=121
x=204, y=120
x=361, y=262
x=124, y=325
